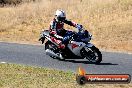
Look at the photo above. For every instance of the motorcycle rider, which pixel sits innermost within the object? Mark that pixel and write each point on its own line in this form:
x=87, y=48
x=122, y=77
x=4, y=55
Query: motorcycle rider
x=57, y=28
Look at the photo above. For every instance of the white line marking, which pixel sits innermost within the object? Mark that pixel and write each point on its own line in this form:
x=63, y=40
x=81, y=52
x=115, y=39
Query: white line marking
x=3, y=62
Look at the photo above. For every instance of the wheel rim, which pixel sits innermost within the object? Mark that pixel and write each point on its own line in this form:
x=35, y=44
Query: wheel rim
x=93, y=56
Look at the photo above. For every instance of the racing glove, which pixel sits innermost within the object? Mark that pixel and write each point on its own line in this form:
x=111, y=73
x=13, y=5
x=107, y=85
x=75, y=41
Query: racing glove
x=79, y=27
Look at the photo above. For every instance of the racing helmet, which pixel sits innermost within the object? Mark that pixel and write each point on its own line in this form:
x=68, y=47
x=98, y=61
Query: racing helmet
x=60, y=15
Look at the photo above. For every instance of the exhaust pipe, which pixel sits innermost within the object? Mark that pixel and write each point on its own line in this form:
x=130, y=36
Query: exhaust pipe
x=52, y=54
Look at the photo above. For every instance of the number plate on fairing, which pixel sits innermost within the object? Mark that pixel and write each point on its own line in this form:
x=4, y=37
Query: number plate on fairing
x=75, y=47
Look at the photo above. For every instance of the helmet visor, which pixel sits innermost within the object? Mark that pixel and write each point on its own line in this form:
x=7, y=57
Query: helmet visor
x=61, y=18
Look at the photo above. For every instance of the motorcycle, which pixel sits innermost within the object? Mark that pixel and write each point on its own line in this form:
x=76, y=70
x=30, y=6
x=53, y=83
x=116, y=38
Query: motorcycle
x=78, y=47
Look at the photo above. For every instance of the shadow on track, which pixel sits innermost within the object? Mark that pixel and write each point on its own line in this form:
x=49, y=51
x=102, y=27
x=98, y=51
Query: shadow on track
x=86, y=62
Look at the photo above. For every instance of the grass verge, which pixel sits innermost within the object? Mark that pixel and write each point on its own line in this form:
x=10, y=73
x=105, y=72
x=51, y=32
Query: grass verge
x=20, y=76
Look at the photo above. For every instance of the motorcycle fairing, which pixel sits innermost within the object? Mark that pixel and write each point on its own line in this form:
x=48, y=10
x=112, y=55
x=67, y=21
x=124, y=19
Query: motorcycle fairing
x=89, y=45
x=75, y=47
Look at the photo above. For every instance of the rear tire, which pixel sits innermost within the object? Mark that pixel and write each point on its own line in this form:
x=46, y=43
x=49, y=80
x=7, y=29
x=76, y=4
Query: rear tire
x=49, y=45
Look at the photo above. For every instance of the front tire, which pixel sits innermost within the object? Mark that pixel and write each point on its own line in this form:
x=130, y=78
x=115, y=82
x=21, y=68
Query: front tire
x=93, y=55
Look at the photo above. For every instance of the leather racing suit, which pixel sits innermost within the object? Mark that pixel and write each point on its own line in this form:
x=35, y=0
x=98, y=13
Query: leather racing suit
x=57, y=29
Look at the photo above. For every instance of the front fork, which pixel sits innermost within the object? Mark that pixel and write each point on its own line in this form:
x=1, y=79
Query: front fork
x=86, y=50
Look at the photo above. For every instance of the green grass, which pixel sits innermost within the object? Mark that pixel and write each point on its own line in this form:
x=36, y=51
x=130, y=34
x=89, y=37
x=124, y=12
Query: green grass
x=12, y=75
x=20, y=76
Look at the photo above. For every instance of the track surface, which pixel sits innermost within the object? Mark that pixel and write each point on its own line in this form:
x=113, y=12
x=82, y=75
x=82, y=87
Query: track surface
x=34, y=55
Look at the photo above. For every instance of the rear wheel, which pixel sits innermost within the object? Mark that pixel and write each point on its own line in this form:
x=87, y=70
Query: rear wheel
x=93, y=55
x=48, y=45
x=52, y=47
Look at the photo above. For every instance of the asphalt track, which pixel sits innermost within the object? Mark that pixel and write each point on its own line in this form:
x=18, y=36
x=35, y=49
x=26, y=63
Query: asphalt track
x=34, y=55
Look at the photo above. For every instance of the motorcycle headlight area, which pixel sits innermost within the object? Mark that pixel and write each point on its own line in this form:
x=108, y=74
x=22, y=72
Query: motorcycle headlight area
x=85, y=39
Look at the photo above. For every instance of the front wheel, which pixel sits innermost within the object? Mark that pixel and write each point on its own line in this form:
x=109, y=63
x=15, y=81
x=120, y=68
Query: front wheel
x=92, y=54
